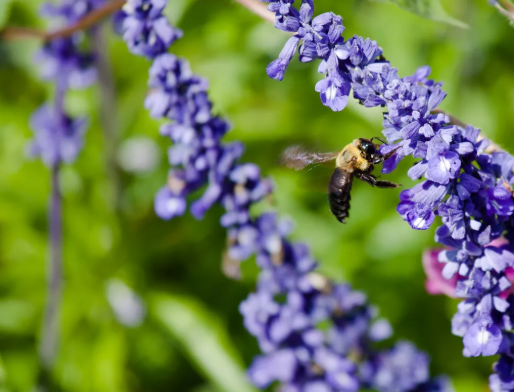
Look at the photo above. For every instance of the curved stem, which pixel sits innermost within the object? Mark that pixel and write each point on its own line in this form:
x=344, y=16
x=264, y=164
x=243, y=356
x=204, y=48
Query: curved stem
x=49, y=340
x=50, y=330
x=13, y=33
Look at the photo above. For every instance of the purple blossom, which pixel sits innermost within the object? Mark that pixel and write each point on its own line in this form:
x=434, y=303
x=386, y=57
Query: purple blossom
x=483, y=337
x=503, y=380
x=62, y=62
x=175, y=92
x=146, y=31
x=170, y=200
x=400, y=369
x=286, y=16
x=57, y=137
x=277, y=68
x=334, y=92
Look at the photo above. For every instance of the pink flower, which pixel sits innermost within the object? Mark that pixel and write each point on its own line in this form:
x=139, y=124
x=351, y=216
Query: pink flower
x=437, y=284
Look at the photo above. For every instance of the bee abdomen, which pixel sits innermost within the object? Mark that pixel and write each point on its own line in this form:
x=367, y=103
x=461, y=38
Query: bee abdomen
x=339, y=194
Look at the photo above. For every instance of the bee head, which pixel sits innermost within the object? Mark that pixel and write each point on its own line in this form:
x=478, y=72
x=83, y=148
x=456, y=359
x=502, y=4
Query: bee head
x=367, y=147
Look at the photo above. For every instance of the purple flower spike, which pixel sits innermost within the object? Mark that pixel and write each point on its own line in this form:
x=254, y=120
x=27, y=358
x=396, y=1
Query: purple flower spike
x=146, y=31
x=292, y=299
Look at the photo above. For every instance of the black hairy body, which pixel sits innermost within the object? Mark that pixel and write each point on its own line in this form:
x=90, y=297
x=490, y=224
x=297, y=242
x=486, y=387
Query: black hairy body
x=339, y=189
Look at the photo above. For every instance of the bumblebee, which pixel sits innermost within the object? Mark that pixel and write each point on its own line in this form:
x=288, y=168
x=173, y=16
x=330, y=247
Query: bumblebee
x=357, y=159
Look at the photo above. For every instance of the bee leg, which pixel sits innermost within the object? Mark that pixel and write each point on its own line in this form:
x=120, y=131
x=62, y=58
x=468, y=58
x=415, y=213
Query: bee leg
x=371, y=180
x=379, y=139
x=386, y=184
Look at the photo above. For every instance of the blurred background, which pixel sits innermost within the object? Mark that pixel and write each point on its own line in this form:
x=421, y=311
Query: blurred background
x=182, y=331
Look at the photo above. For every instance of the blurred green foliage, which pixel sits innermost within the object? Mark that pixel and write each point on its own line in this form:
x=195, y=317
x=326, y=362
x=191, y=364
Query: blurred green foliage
x=192, y=338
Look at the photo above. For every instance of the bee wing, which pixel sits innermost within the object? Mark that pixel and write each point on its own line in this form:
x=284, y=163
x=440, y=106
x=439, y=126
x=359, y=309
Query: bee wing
x=295, y=157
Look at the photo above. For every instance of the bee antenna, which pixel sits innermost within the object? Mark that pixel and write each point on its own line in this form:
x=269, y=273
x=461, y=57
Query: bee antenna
x=373, y=138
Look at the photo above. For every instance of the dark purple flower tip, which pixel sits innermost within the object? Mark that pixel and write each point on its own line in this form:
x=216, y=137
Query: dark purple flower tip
x=277, y=68
x=390, y=164
x=503, y=380
x=483, y=337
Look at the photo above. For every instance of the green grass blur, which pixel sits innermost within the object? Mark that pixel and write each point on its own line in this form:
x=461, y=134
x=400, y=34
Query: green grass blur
x=192, y=338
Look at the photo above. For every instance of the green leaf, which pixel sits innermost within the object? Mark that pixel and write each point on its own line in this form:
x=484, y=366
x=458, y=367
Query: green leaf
x=203, y=338
x=428, y=9
x=5, y=7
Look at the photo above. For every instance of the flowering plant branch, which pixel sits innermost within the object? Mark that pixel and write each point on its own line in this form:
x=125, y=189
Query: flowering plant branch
x=58, y=140
x=467, y=187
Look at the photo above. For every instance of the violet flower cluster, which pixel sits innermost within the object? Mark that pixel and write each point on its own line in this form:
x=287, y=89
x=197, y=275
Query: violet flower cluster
x=292, y=301
x=57, y=136
x=469, y=188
